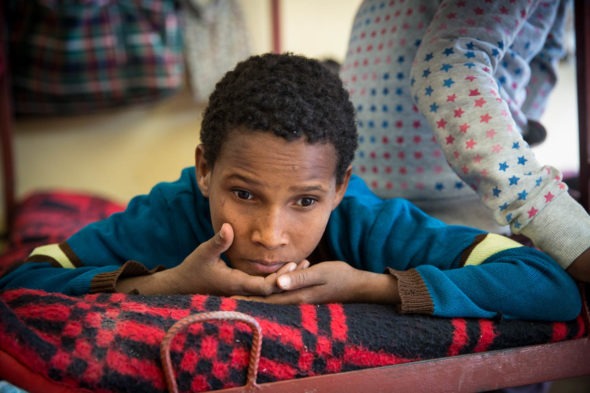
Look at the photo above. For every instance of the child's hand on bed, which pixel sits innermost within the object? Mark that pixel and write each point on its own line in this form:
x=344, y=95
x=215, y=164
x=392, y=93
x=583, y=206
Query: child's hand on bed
x=332, y=282
x=204, y=272
x=580, y=268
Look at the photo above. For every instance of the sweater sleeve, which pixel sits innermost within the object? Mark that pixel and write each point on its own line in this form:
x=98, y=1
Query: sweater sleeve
x=156, y=231
x=39, y=273
x=454, y=85
x=450, y=271
x=95, y=257
x=512, y=283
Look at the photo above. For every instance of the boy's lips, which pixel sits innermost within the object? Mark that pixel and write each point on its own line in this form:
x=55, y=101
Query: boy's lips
x=265, y=266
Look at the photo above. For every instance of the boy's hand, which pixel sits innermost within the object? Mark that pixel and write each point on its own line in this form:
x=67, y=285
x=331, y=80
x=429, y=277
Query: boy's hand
x=203, y=271
x=333, y=282
x=580, y=268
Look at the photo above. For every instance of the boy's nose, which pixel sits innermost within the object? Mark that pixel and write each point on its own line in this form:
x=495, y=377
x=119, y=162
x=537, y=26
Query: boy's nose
x=269, y=231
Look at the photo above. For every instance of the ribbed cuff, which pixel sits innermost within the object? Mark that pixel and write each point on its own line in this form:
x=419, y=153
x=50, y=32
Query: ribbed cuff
x=561, y=229
x=107, y=282
x=413, y=293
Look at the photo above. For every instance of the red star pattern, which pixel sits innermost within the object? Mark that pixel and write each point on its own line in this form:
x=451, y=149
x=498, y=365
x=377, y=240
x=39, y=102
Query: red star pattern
x=532, y=212
x=485, y=118
x=479, y=103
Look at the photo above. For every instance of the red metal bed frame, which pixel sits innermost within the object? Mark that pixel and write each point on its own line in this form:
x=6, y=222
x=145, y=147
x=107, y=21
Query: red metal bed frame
x=473, y=372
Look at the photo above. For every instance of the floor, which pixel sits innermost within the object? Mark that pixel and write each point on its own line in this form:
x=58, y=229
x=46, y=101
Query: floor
x=124, y=152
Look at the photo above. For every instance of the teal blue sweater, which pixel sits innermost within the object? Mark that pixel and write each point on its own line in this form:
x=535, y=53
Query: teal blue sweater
x=443, y=270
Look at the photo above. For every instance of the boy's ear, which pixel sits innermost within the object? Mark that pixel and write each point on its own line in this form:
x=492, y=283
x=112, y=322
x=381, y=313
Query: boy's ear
x=203, y=170
x=341, y=188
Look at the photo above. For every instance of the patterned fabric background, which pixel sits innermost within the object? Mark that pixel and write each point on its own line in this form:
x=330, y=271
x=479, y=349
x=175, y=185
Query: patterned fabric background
x=70, y=57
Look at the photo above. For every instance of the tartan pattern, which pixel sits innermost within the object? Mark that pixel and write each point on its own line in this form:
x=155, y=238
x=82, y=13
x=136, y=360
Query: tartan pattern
x=76, y=56
x=110, y=342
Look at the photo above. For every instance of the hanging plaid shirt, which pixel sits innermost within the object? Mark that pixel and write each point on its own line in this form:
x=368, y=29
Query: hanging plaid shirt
x=73, y=56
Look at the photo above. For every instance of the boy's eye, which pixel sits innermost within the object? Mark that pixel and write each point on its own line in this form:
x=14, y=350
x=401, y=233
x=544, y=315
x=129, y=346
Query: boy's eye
x=306, y=201
x=242, y=194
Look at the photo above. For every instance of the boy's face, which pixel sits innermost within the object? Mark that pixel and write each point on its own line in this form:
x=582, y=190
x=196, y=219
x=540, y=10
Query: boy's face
x=277, y=196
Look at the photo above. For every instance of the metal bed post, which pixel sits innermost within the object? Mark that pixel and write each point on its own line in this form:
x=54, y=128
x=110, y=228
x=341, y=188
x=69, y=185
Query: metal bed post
x=275, y=15
x=582, y=31
x=8, y=176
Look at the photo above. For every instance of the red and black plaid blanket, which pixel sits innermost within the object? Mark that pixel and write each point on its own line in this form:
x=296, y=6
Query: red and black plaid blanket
x=111, y=342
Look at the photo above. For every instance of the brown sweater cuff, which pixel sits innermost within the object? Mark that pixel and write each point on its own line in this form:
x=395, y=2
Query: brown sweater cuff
x=413, y=293
x=106, y=282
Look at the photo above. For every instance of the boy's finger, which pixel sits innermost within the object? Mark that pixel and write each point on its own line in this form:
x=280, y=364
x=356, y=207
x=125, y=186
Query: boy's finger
x=282, y=298
x=249, y=298
x=299, y=279
x=303, y=265
x=256, y=285
x=220, y=242
x=289, y=267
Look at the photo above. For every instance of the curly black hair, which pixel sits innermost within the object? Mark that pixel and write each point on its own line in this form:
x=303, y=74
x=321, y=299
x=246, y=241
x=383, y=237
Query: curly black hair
x=289, y=95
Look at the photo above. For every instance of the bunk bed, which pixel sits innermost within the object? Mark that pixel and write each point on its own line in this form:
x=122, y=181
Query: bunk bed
x=116, y=342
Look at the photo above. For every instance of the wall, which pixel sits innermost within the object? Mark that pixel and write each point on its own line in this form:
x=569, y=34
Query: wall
x=310, y=27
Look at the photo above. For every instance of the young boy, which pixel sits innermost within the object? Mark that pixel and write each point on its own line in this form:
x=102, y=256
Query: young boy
x=272, y=212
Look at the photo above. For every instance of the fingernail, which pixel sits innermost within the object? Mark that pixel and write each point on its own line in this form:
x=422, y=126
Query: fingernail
x=292, y=266
x=284, y=282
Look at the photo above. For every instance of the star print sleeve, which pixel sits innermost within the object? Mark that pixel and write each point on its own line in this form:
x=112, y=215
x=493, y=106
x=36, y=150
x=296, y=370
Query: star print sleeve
x=470, y=111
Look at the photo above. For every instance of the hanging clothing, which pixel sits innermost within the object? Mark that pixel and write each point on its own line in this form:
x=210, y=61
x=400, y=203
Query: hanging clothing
x=69, y=57
x=215, y=39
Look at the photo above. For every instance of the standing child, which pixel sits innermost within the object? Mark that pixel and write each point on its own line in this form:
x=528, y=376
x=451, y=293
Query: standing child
x=445, y=90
